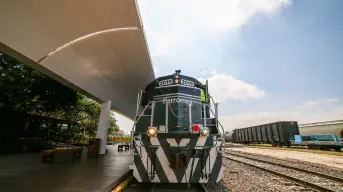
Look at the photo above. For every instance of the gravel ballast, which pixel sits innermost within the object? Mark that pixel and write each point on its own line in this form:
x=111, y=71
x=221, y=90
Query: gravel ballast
x=239, y=177
x=333, y=171
x=313, y=179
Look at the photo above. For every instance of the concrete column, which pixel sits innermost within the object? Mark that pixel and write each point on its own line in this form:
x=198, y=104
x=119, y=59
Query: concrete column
x=103, y=126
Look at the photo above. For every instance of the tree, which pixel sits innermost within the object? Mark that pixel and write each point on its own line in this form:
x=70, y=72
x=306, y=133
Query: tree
x=83, y=116
x=28, y=91
x=25, y=89
x=112, y=125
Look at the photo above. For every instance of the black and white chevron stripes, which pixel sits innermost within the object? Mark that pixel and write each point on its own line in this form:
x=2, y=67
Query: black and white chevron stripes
x=152, y=160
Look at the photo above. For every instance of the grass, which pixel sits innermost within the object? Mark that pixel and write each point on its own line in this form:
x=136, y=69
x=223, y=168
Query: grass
x=266, y=146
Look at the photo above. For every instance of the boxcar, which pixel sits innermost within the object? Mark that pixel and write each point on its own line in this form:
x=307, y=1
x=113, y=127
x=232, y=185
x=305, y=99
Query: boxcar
x=277, y=133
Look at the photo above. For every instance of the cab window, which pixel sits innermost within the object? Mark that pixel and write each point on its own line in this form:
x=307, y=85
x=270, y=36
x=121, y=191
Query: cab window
x=190, y=91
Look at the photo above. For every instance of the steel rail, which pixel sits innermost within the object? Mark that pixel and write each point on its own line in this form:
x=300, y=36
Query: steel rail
x=290, y=178
x=333, y=178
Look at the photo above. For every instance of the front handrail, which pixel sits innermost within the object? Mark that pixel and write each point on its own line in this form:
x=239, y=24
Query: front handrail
x=139, y=99
x=140, y=92
x=216, y=115
x=134, y=125
x=212, y=114
x=222, y=144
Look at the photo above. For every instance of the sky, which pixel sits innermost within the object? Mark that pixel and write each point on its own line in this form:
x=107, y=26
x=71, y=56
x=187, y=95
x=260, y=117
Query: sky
x=265, y=60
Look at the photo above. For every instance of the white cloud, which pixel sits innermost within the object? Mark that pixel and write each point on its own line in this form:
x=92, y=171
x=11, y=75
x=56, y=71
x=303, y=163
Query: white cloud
x=205, y=72
x=223, y=87
x=124, y=123
x=170, y=25
x=175, y=30
x=157, y=71
x=315, y=103
x=315, y=111
x=228, y=15
x=322, y=110
x=161, y=43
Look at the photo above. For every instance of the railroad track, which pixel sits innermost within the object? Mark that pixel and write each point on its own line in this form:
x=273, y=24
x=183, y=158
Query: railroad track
x=314, y=180
x=129, y=184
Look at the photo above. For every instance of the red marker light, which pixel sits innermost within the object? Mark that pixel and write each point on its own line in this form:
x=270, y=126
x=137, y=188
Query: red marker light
x=195, y=128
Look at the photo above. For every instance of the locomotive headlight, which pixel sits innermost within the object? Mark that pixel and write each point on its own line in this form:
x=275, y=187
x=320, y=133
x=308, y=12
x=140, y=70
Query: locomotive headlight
x=204, y=131
x=152, y=131
x=176, y=79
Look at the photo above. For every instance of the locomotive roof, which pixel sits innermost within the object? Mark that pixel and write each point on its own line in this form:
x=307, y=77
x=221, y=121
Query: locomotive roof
x=156, y=82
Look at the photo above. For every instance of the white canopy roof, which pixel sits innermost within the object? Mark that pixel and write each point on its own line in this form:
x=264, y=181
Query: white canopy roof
x=100, y=47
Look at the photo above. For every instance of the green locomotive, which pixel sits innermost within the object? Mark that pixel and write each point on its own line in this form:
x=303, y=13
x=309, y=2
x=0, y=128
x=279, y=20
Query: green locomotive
x=174, y=138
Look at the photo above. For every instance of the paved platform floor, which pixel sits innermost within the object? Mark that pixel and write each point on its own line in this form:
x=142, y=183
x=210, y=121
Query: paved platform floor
x=329, y=160
x=25, y=172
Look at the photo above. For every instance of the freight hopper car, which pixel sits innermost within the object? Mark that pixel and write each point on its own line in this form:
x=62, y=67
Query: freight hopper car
x=176, y=138
x=276, y=134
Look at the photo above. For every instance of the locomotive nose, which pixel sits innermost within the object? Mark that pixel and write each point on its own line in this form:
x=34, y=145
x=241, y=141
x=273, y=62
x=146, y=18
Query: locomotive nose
x=178, y=160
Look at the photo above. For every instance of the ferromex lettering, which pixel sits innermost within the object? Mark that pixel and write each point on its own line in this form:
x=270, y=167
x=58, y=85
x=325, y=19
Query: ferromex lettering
x=177, y=100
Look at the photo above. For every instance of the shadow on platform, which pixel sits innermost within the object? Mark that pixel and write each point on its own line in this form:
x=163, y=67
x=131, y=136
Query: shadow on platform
x=26, y=172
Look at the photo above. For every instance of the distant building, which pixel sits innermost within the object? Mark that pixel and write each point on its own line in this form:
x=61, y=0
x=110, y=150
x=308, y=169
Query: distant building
x=119, y=133
x=327, y=127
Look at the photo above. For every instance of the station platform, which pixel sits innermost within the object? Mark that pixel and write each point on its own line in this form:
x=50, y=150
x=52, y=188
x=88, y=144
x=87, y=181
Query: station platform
x=26, y=172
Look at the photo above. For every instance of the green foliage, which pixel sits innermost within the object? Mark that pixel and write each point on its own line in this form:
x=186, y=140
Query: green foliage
x=82, y=138
x=112, y=125
x=27, y=90
x=84, y=115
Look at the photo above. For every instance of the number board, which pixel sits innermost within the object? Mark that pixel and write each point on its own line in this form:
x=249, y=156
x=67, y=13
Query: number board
x=165, y=82
x=187, y=82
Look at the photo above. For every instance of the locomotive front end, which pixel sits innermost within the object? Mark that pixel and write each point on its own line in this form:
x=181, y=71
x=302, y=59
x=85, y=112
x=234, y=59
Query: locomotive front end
x=175, y=140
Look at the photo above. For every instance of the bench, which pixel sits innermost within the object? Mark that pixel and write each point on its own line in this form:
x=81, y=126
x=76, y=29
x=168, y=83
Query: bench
x=120, y=147
x=125, y=146
x=60, y=155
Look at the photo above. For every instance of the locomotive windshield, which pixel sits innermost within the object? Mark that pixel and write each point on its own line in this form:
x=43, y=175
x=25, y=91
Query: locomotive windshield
x=180, y=90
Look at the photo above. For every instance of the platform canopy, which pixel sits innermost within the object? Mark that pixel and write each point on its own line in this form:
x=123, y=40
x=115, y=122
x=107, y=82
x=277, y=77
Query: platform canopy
x=97, y=47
